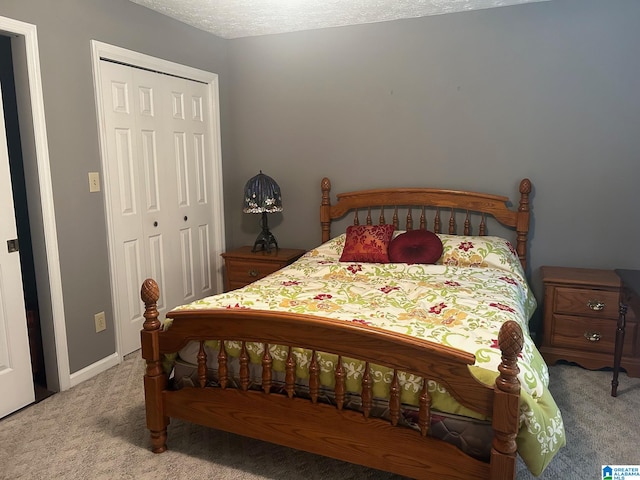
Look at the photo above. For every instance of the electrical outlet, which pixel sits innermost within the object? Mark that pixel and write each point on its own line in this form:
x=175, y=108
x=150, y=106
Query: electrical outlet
x=101, y=322
x=94, y=182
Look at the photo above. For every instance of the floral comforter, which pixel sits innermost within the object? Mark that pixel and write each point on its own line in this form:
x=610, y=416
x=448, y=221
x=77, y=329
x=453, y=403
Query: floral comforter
x=462, y=301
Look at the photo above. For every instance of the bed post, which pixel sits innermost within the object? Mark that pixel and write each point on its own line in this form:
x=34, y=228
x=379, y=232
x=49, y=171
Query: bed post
x=325, y=209
x=506, y=404
x=155, y=380
x=522, y=226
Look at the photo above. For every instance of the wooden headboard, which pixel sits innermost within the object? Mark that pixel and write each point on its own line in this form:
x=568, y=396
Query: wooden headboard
x=471, y=205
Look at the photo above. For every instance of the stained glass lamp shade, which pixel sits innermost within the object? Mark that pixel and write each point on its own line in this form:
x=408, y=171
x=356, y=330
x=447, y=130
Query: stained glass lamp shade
x=262, y=195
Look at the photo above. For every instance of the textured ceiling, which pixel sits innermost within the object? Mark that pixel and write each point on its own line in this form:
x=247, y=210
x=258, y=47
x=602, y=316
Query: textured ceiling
x=246, y=18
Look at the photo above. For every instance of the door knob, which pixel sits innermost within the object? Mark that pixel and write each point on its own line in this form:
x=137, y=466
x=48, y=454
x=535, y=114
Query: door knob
x=155, y=224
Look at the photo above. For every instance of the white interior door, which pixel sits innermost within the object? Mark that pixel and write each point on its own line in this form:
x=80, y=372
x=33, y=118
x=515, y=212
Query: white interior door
x=159, y=164
x=16, y=382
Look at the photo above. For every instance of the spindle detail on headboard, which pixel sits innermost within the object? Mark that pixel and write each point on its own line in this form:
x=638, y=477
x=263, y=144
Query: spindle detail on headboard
x=462, y=206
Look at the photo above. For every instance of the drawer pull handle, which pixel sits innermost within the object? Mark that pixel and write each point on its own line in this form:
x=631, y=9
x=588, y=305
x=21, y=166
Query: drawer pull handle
x=592, y=336
x=253, y=273
x=596, y=305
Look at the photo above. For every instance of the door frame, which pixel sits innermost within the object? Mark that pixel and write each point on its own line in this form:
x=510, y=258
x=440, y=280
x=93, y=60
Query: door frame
x=34, y=134
x=99, y=51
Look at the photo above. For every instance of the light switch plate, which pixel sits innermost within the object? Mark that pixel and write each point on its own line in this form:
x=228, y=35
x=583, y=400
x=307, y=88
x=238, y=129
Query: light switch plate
x=94, y=182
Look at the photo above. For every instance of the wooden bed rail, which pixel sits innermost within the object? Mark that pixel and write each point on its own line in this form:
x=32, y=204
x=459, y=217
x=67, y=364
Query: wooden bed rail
x=445, y=203
x=400, y=450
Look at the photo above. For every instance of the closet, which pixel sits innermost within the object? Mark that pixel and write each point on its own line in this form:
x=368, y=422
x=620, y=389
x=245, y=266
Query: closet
x=159, y=184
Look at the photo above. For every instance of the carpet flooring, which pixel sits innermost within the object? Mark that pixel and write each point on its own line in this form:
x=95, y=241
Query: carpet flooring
x=96, y=430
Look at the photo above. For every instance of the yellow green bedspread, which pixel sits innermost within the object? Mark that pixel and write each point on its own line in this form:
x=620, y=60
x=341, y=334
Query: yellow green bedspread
x=462, y=301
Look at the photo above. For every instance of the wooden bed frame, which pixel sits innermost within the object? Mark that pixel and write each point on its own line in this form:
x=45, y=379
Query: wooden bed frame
x=307, y=424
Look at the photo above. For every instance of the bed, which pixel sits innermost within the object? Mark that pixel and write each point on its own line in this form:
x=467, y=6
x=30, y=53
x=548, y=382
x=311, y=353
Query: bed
x=365, y=361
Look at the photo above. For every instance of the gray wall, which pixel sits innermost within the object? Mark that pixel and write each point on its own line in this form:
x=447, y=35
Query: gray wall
x=65, y=29
x=474, y=100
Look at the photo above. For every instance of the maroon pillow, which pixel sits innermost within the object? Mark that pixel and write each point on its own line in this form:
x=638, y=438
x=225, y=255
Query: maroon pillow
x=415, y=246
x=367, y=243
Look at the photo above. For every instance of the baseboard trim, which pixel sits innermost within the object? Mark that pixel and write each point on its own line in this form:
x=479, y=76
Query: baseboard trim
x=94, y=369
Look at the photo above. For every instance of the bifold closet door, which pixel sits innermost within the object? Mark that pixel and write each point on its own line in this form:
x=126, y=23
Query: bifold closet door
x=157, y=189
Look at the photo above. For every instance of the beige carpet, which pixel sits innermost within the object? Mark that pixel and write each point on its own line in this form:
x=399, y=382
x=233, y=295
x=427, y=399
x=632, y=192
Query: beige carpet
x=96, y=430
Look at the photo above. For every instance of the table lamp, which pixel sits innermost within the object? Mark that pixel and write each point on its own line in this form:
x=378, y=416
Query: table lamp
x=262, y=195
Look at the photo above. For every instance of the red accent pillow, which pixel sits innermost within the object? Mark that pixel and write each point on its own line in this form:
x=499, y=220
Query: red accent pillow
x=415, y=246
x=367, y=243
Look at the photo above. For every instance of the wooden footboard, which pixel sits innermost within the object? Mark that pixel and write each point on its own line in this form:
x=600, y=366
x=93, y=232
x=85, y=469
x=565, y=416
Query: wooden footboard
x=321, y=428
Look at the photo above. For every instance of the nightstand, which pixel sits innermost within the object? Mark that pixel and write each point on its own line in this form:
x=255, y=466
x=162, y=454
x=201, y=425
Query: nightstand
x=581, y=309
x=242, y=266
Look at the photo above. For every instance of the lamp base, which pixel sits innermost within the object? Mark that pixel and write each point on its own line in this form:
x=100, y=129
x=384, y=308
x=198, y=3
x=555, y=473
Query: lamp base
x=264, y=242
x=266, y=238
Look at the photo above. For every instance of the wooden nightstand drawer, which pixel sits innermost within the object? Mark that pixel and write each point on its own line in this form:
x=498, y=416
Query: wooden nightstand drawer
x=590, y=302
x=245, y=271
x=588, y=334
x=242, y=266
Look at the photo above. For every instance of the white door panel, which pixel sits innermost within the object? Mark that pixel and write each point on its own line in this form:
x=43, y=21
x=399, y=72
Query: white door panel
x=133, y=265
x=204, y=240
x=16, y=382
x=159, y=178
x=158, y=268
x=125, y=205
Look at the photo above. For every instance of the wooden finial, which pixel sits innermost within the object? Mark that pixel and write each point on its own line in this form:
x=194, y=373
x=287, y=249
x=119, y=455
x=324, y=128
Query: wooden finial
x=325, y=184
x=525, y=186
x=150, y=293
